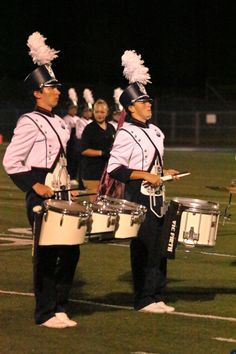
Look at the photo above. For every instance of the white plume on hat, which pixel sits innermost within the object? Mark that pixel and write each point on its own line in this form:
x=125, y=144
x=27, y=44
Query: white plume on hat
x=88, y=96
x=117, y=92
x=40, y=52
x=73, y=96
x=134, y=70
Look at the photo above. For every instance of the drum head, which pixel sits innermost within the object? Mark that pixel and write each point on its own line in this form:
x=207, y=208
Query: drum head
x=197, y=204
x=121, y=203
x=103, y=208
x=66, y=207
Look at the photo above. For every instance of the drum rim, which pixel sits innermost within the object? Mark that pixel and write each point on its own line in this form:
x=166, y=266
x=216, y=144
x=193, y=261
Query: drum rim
x=101, y=208
x=128, y=203
x=49, y=206
x=200, y=204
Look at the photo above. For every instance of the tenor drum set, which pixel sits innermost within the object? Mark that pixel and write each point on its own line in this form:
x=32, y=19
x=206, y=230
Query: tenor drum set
x=193, y=221
x=71, y=223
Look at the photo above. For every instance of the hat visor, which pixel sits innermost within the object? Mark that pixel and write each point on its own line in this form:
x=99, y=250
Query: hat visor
x=143, y=99
x=51, y=83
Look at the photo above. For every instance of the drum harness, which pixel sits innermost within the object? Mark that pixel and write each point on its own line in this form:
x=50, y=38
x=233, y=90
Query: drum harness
x=156, y=168
x=61, y=165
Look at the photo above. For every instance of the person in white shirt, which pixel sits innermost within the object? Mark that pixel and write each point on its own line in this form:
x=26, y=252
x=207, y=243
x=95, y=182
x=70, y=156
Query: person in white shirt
x=115, y=118
x=72, y=149
x=117, y=110
x=83, y=121
x=136, y=159
x=38, y=144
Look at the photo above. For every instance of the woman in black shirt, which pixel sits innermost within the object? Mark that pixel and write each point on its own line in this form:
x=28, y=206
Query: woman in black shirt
x=96, y=142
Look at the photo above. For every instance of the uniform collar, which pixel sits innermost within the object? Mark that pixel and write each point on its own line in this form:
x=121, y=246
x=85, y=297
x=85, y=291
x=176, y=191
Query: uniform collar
x=44, y=111
x=139, y=123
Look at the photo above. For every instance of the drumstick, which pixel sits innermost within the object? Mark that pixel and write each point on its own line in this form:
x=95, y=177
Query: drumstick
x=73, y=189
x=180, y=174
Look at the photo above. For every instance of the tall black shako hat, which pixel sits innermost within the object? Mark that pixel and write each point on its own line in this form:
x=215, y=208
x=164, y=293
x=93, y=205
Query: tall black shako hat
x=42, y=55
x=138, y=76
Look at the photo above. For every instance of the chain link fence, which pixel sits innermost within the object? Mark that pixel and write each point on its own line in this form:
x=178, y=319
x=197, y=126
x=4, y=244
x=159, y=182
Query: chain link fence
x=181, y=128
x=198, y=129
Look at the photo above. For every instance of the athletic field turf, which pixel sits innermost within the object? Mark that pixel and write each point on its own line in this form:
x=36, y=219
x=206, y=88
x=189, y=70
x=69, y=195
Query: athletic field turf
x=201, y=281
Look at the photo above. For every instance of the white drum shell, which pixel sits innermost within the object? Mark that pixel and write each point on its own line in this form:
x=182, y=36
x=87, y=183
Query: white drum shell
x=59, y=227
x=199, y=222
x=130, y=217
x=204, y=226
x=128, y=226
x=101, y=223
x=124, y=225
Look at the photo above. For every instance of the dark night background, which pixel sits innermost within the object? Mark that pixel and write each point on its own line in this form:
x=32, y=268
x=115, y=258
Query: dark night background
x=189, y=46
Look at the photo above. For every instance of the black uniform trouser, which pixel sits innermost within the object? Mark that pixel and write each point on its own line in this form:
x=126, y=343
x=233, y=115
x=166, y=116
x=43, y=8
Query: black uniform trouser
x=54, y=268
x=148, y=265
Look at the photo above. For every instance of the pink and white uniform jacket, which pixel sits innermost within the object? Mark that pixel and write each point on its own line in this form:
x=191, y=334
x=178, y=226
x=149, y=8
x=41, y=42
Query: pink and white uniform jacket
x=70, y=121
x=81, y=123
x=34, y=148
x=134, y=150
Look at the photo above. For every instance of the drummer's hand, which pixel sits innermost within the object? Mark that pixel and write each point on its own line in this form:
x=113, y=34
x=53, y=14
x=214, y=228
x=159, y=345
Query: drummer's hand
x=154, y=180
x=43, y=190
x=74, y=195
x=171, y=172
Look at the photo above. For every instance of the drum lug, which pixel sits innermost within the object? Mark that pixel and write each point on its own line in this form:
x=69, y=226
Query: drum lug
x=134, y=220
x=79, y=224
x=213, y=224
x=61, y=221
x=109, y=221
x=83, y=221
x=190, y=236
x=178, y=212
x=45, y=216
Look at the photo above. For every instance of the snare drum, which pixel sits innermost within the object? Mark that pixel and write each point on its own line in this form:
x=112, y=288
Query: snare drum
x=130, y=216
x=198, y=222
x=64, y=223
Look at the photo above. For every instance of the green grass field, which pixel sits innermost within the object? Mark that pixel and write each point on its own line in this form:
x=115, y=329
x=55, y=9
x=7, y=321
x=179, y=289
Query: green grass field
x=201, y=282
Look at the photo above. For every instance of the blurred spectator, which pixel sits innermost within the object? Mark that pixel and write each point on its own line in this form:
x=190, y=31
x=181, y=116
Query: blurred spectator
x=117, y=107
x=96, y=142
x=72, y=148
x=86, y=118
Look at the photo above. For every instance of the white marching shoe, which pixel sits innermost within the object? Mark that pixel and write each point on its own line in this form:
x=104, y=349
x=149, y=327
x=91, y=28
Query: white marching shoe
x=54, y=322
x=153, y=308
x=62, y=316
x=165, y=307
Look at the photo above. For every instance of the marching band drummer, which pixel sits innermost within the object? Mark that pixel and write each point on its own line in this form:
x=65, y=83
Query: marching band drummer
x=136, y=160
x=36, y=146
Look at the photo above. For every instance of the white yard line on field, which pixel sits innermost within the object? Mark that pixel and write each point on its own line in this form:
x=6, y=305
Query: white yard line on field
x=13, y=204
x=201, y=252
x=142, y=353
x=218, y=254
x=230, y=340
x=119, y=307
x=16, y=241
x=23, y=239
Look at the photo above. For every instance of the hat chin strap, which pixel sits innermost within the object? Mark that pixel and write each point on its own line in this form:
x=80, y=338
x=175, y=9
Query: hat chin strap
x=139, y=98
x=50, y=83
